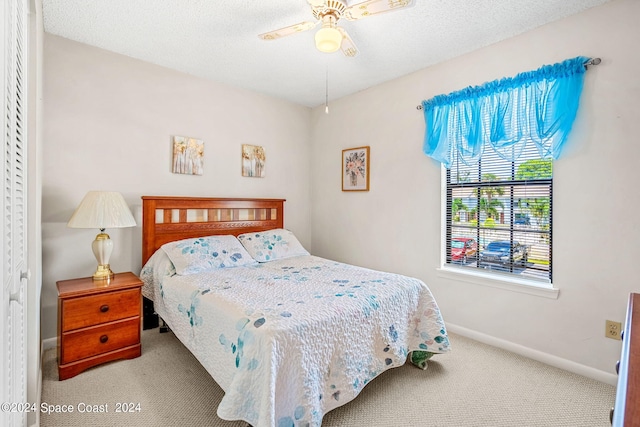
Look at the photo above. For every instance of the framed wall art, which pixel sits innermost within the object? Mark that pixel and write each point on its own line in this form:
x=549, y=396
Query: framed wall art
x=355, y=169
x=188, y=155
x=253, y=160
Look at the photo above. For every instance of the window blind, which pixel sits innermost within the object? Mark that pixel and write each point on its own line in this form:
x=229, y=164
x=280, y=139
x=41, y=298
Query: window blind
x=499, y=213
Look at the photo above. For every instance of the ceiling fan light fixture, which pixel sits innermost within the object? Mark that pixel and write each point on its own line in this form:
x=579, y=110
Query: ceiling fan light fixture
x=331, y=37
x=328, y=39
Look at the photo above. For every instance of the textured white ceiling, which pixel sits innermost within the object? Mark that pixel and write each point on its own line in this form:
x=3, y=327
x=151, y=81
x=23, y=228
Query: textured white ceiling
x=218, y=39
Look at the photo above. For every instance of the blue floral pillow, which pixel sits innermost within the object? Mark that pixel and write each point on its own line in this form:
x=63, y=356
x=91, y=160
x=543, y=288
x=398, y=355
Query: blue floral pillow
x=191, y=256
x=270, y=245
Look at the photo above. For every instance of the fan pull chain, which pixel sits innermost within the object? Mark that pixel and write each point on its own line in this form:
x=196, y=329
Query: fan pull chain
x=326, y=96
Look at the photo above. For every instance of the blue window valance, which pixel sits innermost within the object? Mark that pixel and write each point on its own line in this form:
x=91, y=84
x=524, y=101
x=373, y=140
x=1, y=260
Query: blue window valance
x=535, y=107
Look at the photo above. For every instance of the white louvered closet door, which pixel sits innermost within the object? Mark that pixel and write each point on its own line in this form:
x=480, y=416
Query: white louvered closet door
x=13, y=239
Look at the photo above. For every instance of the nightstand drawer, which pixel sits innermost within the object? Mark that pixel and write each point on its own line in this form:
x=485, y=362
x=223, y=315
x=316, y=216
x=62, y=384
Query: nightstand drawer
x=100, y=339
x=95, y=309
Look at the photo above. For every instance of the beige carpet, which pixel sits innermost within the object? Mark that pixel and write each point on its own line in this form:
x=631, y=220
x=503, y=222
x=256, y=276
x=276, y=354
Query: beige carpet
x=474, y=385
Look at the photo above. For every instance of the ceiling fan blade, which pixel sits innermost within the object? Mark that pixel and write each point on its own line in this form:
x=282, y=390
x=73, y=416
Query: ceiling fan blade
x=291, y=29
x=375, y=7
x=348, y=47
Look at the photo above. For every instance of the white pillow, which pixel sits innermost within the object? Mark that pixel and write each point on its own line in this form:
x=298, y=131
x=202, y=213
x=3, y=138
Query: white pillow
x=191, y=256
x=271, y=245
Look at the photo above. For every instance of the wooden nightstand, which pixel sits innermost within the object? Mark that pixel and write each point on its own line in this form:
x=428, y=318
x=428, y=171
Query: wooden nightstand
x=98, y=321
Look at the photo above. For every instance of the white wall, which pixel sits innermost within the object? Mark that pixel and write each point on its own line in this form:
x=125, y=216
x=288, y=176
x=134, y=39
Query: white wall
x=108, y=126
x=396, y=226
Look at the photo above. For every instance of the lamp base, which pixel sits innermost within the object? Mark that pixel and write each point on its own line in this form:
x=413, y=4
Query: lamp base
x=103, y=272
x=102, y=247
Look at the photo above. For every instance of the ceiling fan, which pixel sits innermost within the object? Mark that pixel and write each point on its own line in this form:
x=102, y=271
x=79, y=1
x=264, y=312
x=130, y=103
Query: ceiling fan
x=330, y=37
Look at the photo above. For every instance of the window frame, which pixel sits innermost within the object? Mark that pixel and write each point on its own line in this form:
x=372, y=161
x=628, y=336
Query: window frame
x=478, y=276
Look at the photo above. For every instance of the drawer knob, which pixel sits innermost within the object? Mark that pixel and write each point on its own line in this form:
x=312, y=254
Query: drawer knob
x=104, y=308
x=104, y=339
x=618, y=367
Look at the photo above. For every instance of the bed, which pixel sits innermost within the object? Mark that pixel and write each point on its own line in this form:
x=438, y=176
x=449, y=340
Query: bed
x=287, y=335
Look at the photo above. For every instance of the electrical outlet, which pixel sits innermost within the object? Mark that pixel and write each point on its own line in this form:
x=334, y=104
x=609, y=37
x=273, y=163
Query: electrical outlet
x=613, y=330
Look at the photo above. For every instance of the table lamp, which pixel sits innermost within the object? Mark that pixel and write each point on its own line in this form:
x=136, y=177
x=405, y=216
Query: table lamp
x=101, y=210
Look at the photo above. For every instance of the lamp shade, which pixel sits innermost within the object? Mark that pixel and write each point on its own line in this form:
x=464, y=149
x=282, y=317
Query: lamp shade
x=102, y=209
x=328, y=39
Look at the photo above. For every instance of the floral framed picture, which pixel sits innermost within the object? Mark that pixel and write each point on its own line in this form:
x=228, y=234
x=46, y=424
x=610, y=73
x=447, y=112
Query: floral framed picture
x=355, y=169
x=188, y=155
x=253, y=160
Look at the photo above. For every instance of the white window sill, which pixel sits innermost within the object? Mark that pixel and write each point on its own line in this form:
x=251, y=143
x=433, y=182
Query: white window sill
x=514, y=284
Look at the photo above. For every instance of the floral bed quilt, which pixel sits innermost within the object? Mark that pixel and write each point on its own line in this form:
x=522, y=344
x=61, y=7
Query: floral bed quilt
x=291, y=339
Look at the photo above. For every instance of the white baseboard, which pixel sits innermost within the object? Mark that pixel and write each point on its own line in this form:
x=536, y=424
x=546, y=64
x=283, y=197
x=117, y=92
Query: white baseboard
x=540, y=356
x=53, y=342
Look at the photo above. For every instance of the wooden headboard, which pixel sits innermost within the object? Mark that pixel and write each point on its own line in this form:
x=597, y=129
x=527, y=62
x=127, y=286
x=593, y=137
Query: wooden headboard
x=167, y=219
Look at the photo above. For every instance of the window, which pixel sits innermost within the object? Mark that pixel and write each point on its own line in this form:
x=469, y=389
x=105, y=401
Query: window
x=498, y=214
x=497, y=142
